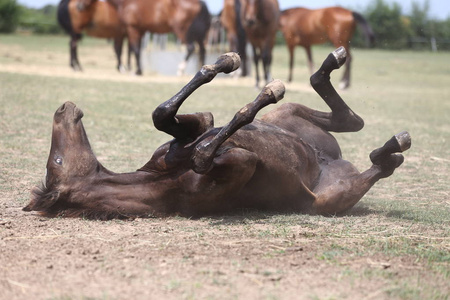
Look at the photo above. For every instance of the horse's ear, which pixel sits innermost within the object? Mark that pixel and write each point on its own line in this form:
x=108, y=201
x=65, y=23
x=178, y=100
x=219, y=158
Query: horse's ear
x=41, y=200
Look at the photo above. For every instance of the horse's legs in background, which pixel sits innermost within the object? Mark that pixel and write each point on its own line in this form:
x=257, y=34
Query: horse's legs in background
x=310, y=59
x=130, y=52
x=291, y=49
x=182, y=66
x=256, y=57
x=267, y=61
x=345, y=81
x=74, y=63
x=118, y=43
x=201, y=53
x=134, y=40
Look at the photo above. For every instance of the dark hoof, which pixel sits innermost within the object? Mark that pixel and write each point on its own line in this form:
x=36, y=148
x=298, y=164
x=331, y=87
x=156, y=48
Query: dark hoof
x=398, y=143
x=228, y=62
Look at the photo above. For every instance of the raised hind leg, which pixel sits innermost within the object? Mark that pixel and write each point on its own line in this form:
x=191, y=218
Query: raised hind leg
x=165, y=116
x=341, y=118
x=205, y=151
x=291, y=116
x=341, y=186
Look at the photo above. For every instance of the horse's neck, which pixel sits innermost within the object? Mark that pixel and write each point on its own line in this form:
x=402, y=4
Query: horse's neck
x=136, y=193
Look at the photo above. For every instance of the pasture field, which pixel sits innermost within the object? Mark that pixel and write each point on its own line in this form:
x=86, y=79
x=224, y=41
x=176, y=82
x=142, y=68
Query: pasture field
x=394, y=244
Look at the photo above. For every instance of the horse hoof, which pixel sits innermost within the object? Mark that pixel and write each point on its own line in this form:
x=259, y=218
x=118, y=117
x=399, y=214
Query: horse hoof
x=277, y=88
x=231, y=61
x=341, y=55
x=404, y=140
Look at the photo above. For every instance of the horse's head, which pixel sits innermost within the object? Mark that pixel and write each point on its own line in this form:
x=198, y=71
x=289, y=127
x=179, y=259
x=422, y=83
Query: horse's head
x=71, y=159
x=83, y=4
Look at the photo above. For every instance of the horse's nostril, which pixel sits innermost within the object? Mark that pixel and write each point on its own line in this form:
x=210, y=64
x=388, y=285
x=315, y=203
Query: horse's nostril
x=62, y=108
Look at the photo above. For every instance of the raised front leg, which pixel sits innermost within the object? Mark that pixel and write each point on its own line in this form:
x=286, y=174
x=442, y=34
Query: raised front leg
x=205, y=151
x=165, y=115
x=341, y=186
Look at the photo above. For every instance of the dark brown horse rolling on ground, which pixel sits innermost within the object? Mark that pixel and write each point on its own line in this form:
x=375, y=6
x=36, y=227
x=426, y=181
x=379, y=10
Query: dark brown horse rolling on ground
x=188, y=19
x=305, y=27
x=287, y=161
x=261, y=21
x=99, y=20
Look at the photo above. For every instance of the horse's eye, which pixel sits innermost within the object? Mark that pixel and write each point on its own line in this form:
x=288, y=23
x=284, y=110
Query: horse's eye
x=59, y=160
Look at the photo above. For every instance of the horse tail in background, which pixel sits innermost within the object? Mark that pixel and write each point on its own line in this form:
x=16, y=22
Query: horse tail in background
x=197, y=32
x=368, y=32
x=241, y=37
x=64, y=19
x=200, y=26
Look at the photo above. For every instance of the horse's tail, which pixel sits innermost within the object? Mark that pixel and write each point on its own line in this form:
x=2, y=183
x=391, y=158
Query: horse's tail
x=63, y=16
x=368, y=32
x=200, y=26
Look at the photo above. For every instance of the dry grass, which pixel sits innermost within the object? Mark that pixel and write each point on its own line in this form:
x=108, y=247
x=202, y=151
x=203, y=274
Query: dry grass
x=393, y=245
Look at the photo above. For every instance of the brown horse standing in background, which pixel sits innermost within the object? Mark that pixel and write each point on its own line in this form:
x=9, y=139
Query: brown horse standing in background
x=162, y=16
x=260, y=19
x=235, y=31
x=99, y=20
x=306, y=27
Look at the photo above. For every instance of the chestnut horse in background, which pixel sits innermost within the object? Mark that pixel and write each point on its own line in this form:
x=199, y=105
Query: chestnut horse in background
x=181, y=17
x=306, y=27
x=235, y=31
x=99, y=20
x=260, y=19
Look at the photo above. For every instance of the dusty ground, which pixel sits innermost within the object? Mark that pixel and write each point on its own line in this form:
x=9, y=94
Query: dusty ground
x=245, y=256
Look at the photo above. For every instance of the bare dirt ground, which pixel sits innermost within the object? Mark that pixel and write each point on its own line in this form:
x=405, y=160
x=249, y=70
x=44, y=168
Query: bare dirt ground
x=245, y=256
